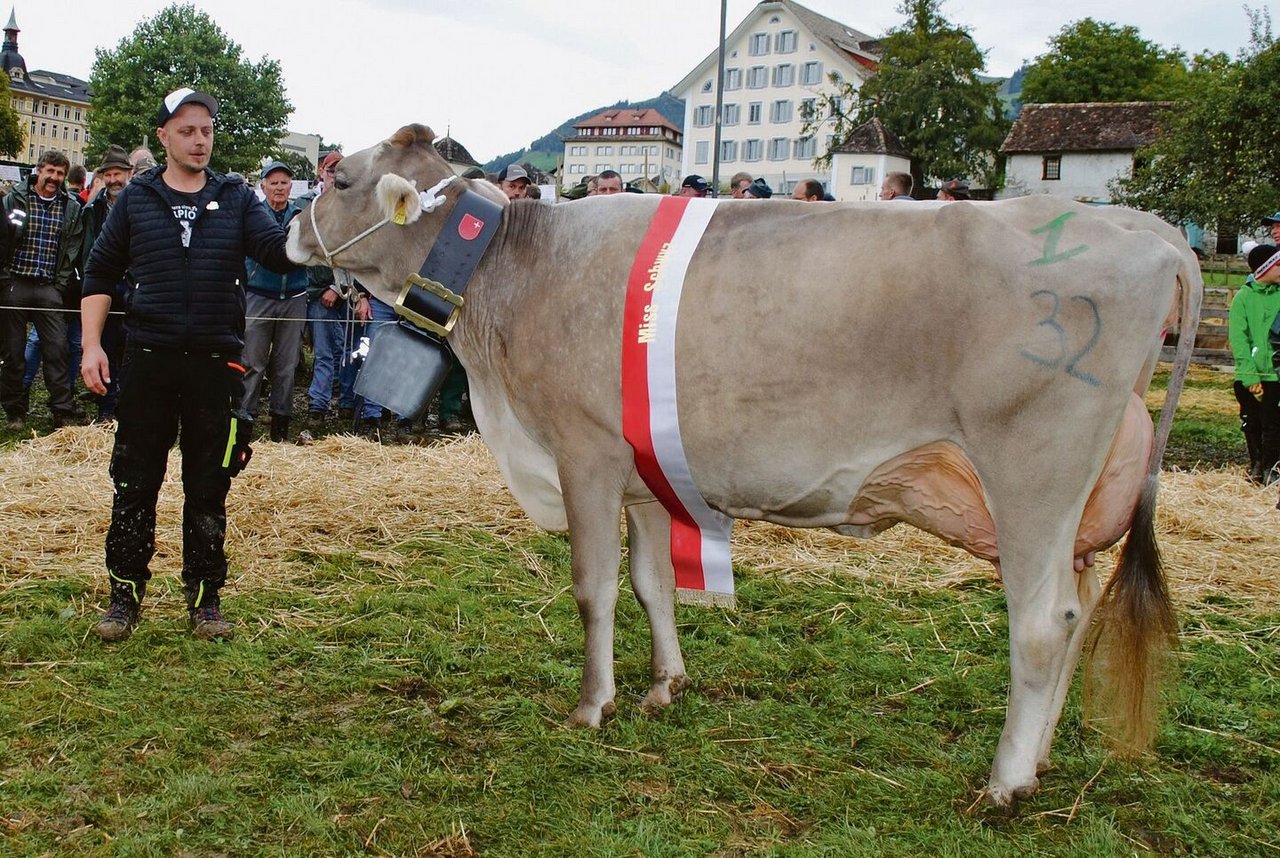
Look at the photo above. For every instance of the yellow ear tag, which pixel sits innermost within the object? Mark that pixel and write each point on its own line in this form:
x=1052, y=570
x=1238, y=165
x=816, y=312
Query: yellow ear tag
x=401, y=215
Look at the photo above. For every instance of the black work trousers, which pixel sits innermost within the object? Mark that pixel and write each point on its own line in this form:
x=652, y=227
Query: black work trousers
x=38, y=302
x=167, y=396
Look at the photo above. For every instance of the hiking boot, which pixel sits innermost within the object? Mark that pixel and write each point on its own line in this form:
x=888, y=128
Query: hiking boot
x=123, y=610
x=279, y=427
x=204, y=610
x=69, y=418
x=208, y=624
x=452, y=425
x=370, y=428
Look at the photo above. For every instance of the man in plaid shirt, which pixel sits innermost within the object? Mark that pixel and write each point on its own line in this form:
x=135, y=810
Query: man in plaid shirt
x=41, y=251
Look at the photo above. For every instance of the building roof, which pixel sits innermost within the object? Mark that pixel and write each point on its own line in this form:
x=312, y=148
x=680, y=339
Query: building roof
x=39, y=83
x=862, y=51
x=626, y=117
x=1085, y=127
x=871, y=137
x=454, y=152
x=859, y=47
x=47, y=84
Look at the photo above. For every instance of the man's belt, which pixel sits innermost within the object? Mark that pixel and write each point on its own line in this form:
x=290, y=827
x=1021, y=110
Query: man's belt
x=432, y=298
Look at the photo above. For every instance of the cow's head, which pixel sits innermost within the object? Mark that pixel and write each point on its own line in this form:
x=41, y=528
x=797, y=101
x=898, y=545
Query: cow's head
x=371, y=221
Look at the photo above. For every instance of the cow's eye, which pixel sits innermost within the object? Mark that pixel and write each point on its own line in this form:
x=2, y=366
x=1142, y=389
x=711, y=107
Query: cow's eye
x=341, y=183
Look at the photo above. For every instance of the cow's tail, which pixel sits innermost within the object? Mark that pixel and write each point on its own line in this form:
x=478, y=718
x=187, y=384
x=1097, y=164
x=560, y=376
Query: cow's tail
x=1135, y=626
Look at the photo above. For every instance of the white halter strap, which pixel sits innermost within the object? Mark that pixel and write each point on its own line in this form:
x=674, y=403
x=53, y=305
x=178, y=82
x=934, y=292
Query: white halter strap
x=430, y=200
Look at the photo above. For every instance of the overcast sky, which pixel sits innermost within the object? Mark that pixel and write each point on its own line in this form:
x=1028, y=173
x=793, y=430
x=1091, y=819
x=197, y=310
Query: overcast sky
x=501, y=73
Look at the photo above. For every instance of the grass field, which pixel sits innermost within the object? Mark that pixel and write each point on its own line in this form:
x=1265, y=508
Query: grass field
x=399, y=681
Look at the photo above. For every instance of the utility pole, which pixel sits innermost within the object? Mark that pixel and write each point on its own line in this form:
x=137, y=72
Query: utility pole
x=715, y=146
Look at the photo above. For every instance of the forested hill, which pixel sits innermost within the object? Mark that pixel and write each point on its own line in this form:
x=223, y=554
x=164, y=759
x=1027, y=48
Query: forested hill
x=544, y=151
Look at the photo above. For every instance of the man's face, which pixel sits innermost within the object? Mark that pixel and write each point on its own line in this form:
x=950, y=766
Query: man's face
x=275, y=187
x=515, y=189
x=113, y=179
x=1275, y=232
x=687, y=191
x=799, y=194
x=609, y=185
x=188, y=138
x=49, y=179
x=1271, y=276
x=142, y=160
x=886, y=192
x=740, y=190
x=326, y=174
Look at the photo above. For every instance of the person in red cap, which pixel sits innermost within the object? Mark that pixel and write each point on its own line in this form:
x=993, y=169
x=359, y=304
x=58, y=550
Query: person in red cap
x=1257, y=386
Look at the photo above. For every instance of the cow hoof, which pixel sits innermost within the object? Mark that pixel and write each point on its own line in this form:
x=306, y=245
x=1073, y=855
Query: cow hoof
x=664, y=692
x=591, y=716
x=1001, y=796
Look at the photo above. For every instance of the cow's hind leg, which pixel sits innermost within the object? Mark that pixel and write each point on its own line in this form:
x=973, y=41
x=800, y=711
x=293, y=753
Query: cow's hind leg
x=593, y=508
x=653, y=580
x=1045, y=622
x=1087, y=593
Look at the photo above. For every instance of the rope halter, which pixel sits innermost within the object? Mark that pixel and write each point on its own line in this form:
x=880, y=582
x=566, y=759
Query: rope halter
x=428, y=201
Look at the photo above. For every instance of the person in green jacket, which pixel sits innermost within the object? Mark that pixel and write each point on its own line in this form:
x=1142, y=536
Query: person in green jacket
x=1257, y=387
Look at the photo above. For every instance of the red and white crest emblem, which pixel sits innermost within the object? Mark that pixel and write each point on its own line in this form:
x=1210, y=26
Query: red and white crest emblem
x=469, y=227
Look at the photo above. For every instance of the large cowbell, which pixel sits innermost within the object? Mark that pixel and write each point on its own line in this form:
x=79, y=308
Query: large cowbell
x=408, y=361
x=404, y=369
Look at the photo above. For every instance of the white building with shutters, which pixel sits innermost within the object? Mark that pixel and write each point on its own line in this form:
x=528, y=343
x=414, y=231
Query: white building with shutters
x=777, y=60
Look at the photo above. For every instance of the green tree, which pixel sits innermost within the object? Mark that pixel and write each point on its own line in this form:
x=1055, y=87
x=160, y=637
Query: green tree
x=1092, y=61
x=11, y=138
x=927, y=91
x=182, y=46
x=1214, y=162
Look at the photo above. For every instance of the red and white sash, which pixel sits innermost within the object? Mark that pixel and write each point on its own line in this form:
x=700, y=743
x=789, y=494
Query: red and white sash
x=650, y=423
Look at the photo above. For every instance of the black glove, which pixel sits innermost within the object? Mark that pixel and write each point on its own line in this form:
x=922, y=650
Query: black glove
x=238, y=450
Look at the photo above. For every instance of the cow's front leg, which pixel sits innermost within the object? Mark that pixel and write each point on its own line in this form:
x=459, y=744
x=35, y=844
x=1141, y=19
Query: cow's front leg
x=595, y=542
x=653, y=580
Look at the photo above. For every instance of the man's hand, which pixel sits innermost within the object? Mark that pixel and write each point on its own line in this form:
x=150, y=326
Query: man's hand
x=95, y=369
x=363, y=311
x=330, y=298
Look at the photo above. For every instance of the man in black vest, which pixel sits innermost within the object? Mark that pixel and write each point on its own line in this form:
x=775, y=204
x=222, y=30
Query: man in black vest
x=182, y=232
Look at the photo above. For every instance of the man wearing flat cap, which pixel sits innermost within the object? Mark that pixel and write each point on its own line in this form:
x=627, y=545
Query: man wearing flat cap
x=953, y=191
x=276, y=307
x=112, y=175
x=181, y=232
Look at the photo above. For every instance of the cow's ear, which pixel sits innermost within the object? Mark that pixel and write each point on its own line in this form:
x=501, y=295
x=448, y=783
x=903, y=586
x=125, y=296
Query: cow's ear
x=413, y=135
x=398, y=199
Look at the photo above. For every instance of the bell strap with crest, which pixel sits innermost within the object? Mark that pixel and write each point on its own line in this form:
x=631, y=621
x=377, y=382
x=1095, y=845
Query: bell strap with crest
x=432, y=298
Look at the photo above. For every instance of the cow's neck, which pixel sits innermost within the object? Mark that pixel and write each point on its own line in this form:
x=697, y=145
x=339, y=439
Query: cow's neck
x=511, y=263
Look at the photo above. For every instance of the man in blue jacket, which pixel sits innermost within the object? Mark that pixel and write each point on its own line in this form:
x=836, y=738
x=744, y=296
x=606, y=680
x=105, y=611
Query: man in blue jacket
x=276, y=306
x=182, y=232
